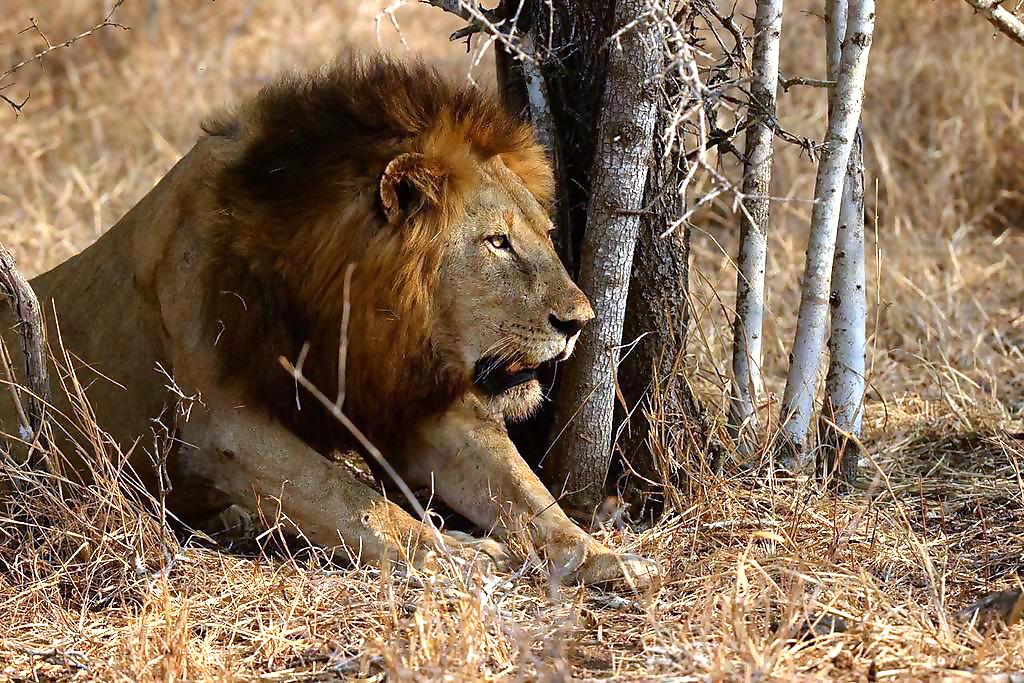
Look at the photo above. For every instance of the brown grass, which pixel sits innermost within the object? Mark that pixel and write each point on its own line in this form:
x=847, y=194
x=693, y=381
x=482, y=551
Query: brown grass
x=93, y=589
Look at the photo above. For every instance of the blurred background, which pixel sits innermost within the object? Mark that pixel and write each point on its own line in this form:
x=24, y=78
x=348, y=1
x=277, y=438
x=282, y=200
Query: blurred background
x=945, y=163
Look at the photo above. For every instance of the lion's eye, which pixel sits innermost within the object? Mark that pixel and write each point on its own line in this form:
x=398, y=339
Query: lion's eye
x=499, y=242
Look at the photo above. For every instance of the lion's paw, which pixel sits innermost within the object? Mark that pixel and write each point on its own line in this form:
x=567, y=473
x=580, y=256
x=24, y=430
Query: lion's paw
x=613, y=570
x=587, y=561
x=233, y=525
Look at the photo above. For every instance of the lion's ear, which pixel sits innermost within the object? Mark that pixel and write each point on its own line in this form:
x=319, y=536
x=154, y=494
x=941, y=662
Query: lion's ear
x=410, y=182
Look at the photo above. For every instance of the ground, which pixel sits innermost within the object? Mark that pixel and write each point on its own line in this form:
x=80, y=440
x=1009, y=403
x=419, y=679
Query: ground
x=100, y=592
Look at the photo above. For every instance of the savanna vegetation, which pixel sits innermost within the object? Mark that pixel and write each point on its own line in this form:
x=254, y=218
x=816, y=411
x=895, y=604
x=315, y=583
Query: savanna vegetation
x=763, y=577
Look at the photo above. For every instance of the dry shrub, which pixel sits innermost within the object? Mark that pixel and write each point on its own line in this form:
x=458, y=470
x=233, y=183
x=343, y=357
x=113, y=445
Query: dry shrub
x=75, y=544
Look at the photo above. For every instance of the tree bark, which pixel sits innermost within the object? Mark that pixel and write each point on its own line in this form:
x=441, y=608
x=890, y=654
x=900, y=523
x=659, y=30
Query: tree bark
x=843, y=410
x=571, y=41
x=753, y=243
x=31, y=405
x=654, y=335
x=623, y=153
x=808, y=344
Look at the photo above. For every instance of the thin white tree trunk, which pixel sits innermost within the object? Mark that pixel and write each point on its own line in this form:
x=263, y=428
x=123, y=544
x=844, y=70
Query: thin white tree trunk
x=753, y=244
x=845, y=383
x=622, y=159
x=1000, y=17
x=808, y=344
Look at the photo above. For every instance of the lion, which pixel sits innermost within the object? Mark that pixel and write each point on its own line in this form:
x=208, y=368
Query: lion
x=388, y=232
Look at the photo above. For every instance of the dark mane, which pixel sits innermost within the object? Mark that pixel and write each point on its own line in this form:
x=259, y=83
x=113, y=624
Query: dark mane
x=299, y=200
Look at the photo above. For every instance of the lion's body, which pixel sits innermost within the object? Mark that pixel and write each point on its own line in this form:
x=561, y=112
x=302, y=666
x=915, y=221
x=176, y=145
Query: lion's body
x=102, y=309
x=239, y=257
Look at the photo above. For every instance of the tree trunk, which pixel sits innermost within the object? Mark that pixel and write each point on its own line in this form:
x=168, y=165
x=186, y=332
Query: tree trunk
x=808, y=344
x=586, y=399
x=843, y=409
x=753, y=244
x=654, y=336
x=570, y=39
x=524, y=91
x=662, y=425
x=569, y=42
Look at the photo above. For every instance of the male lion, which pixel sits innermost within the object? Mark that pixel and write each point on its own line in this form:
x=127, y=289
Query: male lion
x=238, y=257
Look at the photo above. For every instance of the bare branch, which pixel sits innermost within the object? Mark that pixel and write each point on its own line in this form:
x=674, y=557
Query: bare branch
x=788, y=83
x=108, y=22
x=1000, y=17
x=481, y=21
x=16, y=106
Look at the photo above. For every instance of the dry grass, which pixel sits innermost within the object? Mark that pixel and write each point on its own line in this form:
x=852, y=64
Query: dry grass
x=95, y=590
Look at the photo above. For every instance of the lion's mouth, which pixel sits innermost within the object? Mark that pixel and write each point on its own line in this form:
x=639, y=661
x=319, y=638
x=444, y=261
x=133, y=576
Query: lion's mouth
x=496, y=375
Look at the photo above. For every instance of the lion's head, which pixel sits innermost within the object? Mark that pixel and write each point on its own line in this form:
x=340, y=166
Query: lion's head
x=504, y=303
x=440, y=200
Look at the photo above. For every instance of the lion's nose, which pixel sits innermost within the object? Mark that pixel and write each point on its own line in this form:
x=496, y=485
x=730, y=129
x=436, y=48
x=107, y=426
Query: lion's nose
x=571, y=325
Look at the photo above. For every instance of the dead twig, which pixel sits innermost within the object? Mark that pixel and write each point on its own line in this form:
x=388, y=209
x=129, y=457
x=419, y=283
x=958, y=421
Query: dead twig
x=107, y=22
x=482, y=21
x=788, y=83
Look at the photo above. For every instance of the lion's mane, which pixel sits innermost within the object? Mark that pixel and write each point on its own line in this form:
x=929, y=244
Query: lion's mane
x=299, y=200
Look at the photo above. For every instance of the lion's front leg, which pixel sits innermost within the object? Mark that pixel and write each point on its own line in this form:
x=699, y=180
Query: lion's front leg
x=263, y=467
x=467, y=457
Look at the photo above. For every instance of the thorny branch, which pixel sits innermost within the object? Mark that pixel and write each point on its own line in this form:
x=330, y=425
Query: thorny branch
x=707, y=71
x=479, y=21
x=33, y=27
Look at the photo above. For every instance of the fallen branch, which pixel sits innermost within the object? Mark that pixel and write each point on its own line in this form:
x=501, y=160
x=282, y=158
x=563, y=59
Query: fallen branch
x=29, y=323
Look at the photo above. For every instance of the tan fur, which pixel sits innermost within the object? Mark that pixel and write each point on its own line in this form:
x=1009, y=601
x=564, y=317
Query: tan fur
x=238, y=258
